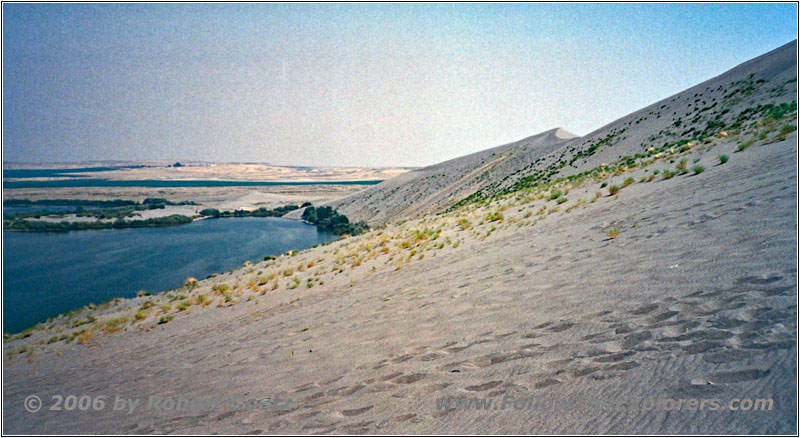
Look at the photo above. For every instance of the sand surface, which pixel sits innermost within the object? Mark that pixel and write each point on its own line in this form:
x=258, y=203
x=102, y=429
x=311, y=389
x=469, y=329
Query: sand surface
x=694, y=298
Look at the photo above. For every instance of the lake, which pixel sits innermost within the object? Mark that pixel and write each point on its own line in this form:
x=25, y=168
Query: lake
x=45, y=274
x=39, y=173
x=160, y=183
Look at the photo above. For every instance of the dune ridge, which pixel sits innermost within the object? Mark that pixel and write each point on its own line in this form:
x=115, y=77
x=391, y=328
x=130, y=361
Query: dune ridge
x=499, y=168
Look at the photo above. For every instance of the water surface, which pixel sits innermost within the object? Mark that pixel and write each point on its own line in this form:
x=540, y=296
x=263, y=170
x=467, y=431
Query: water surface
x=45, y=274
x=39, y=173
x=88, y=182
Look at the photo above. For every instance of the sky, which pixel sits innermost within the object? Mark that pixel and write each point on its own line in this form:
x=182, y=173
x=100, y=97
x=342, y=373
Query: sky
x=349, y=84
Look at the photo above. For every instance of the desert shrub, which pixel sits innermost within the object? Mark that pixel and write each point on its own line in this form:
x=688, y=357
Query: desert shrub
x=494, y=217
x=221, y=288
x=683, y=165
x=786, y=129
x=613, y=190
x=723, y=159
x=698, y=169
x=165, y=319
x=743, y=146
x=113, y=325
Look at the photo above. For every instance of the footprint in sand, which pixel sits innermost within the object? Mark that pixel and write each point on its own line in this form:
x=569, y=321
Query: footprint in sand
x=354, y=412
x=410, y=378
x=739, y=376
x=484, y=386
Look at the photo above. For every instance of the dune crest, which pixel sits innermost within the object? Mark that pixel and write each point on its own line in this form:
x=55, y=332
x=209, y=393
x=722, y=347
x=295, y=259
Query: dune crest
x=435, y=188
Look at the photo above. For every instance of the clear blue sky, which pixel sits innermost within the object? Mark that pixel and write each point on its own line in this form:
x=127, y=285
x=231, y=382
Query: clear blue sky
x=338, y=85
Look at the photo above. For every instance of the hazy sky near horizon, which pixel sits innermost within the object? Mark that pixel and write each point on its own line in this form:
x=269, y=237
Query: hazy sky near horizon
x=349, y=84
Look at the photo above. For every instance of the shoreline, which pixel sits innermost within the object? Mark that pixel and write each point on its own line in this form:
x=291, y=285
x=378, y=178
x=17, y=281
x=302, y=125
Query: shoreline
x=178, y=282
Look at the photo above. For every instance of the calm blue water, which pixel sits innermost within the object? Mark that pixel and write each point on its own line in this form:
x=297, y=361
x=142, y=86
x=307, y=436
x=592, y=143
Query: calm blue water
x=45, y=274
x=33, y=173
x=86, y=182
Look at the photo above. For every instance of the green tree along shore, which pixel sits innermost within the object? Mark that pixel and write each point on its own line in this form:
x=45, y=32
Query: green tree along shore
x=328, y=219
x=324, y=218
x=90, y=202
x=261, y=212
x=115, y=209
x=26, y=225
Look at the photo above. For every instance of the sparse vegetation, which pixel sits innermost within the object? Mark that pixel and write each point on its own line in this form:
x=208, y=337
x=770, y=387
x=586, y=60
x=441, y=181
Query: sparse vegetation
x=494, y=217
x=113, y=325
x=683, y=166
x=785, y=130
x=165, y=319
x=744, y=145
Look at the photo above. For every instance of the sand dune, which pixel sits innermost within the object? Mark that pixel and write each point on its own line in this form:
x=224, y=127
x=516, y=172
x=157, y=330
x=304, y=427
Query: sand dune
x=681, y=287
x=431, y=189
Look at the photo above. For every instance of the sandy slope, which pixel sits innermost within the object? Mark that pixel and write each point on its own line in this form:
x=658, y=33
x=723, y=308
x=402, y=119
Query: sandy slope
x=694, y=299
x=431, y=189
x=434, y=188
x=703, y=288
